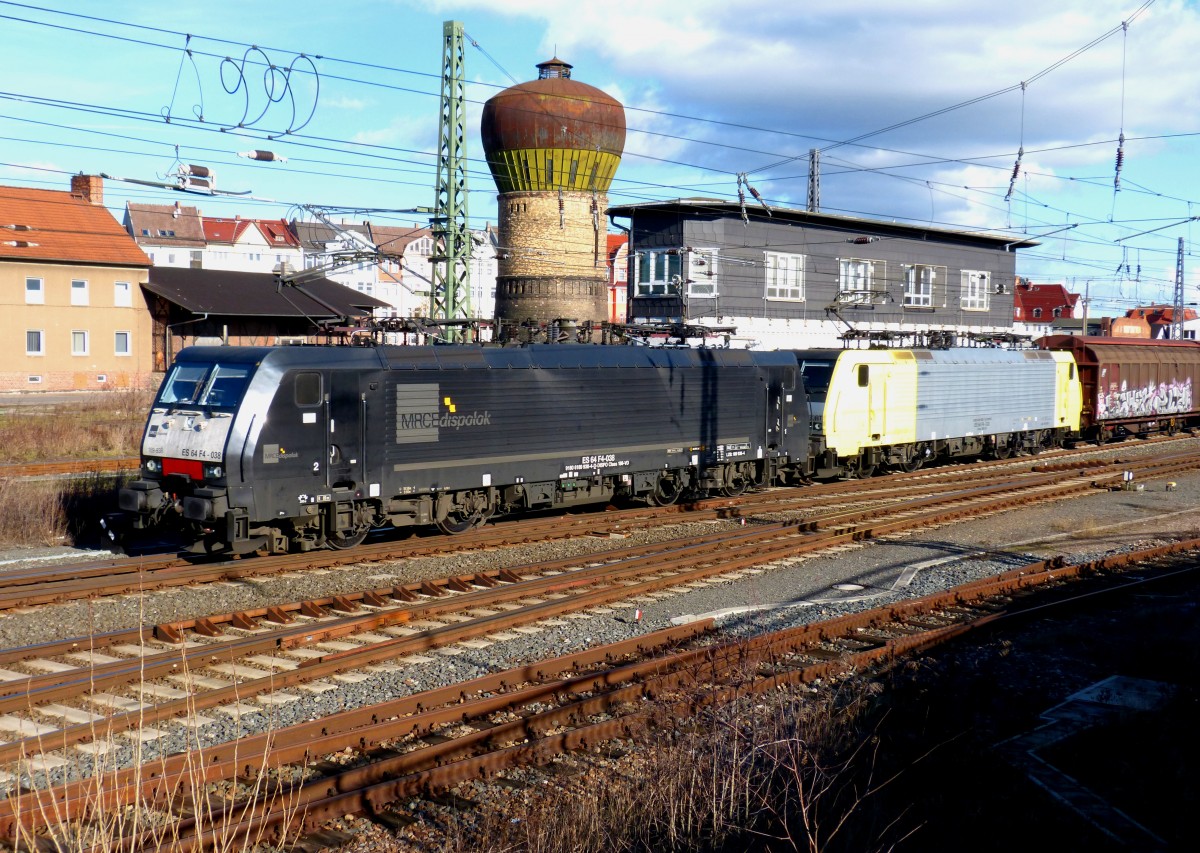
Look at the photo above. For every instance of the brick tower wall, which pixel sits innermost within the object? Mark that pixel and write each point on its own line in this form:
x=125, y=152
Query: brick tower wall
x=552, y=259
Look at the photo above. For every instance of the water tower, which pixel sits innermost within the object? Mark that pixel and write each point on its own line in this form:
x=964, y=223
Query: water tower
x=553, y=145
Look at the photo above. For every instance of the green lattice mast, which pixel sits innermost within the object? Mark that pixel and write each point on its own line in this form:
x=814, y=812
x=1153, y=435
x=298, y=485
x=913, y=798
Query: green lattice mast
x=450, y=298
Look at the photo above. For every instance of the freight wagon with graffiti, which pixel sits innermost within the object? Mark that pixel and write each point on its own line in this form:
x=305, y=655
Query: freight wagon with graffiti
x=1133, y=386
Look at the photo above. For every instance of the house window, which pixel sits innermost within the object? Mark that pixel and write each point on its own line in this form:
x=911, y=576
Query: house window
x=145, y=232
x=79, y=342
x=35, y=292
x=702, y=273
x=34, y=342
x=856, y=279
x=785, y=276
x=658, y=273
x=121, y=343
x=976, y=287
x=919, y=281
x=122, y=294
x=79, y=292
x=1037, y=313
x=165, y=232
x=171, y=258
x=1058, y=312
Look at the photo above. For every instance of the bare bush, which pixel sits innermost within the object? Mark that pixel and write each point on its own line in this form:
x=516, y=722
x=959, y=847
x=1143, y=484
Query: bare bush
x=784, y=772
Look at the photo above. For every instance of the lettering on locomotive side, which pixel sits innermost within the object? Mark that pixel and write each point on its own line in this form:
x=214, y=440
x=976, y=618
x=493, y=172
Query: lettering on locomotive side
x=422, y=412
x=596, y=461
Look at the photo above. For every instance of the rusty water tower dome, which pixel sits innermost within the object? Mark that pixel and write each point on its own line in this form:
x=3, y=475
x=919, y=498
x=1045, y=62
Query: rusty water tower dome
x=553, y=145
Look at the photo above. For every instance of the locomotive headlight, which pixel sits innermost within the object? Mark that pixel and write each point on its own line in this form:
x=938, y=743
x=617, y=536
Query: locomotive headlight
x=213, y=472
x=153, y=466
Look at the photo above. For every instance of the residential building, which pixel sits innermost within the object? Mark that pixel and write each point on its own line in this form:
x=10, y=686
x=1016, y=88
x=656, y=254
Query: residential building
x=1160, y=318
x=1039, y=309
x=172, y=235
x=249, y=245
x=403, y=278
x=70, y=292
x=789, y=278
x=618, y=277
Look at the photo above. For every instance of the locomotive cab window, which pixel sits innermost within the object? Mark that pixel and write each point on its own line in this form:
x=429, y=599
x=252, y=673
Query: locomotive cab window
x=864, y=375
x=308, y=389
x=218, y=386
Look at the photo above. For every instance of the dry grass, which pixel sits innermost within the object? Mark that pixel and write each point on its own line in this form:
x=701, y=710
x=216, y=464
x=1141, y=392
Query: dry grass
x=788, y=772
x=55, y=512
x=98, y=425
x=58, y=512
x=213, y=810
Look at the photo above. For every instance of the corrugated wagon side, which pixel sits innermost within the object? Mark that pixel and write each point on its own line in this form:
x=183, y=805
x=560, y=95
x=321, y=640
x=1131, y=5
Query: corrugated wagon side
x=1134, y=386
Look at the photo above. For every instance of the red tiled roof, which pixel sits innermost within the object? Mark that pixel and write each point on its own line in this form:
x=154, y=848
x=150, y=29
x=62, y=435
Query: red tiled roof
x=1048, y=297
x=277, y=233
x=224, y=230
x=1159, y=314
x=63, y=227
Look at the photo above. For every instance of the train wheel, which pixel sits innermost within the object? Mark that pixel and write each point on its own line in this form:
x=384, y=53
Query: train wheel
x=913, y=463
x=666, y=492
x=459, y=522
x=859, y=469
x=737, y=481
x=350, y=540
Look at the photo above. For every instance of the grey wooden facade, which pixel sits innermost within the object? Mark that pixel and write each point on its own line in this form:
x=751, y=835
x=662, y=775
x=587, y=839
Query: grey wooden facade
x=700, y=261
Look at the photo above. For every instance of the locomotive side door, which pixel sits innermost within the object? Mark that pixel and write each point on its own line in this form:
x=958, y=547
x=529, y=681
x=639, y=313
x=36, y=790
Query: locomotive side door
x=344, y=430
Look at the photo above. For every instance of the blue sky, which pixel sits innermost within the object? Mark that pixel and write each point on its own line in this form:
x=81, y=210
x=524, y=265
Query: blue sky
x=930, y=92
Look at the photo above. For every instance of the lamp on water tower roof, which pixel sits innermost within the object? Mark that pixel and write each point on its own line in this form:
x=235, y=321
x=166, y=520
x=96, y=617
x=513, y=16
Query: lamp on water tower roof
x=553, y=146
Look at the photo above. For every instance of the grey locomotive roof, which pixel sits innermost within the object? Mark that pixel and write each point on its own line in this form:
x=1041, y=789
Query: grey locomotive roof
x=242, y=294
x=486, y=357
x=721, y=208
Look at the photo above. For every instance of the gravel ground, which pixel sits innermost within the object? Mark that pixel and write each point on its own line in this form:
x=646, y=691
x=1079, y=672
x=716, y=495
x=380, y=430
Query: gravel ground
x=786, y=594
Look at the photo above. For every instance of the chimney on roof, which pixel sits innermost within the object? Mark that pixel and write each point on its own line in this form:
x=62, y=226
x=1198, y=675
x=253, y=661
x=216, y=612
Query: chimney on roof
x=175, y=212
x=90, y=188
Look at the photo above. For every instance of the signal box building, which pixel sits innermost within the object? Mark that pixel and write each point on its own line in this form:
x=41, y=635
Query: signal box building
x=792, y=278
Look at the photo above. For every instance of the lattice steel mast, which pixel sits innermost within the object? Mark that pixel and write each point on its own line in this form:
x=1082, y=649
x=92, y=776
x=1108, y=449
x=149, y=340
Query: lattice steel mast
x=450, y=297
x=1178, y=309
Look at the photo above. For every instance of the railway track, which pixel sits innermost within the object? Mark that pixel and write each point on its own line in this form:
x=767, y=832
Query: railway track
x=124, y=576
x=157, y=677
x=50, y=672
x=421, y=744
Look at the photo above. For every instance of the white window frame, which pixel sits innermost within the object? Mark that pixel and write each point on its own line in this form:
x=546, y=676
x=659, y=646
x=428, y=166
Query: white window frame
x=122, y=294
x=784, y=276
x=79, y=291
x=41, y=341
x=920, y=284
x=661, y=268
x=86, y=342
x=128, y=351
x=976, y=289
x=35, y=295
x=702, y=274
x=856, y=279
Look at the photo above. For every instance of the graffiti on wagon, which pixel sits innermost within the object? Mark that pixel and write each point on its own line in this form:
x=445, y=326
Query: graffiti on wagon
x=1154, y=398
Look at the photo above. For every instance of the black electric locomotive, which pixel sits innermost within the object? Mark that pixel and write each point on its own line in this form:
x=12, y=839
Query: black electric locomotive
x=292, y=448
